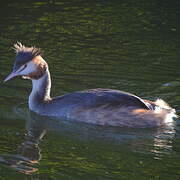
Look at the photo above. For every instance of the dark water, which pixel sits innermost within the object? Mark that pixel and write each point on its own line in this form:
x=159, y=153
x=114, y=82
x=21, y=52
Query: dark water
x=127, y=45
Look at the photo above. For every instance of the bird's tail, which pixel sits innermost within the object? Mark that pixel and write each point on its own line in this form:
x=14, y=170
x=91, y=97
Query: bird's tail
x=161, y=107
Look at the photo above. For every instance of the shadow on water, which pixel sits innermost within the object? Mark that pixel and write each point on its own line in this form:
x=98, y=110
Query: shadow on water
x=154, y=141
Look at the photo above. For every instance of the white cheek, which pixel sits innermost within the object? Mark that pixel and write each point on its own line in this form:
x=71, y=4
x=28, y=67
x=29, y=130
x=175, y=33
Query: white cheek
x=29, y=69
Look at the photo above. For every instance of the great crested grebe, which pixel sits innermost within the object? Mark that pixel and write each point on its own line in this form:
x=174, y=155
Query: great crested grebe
x=96, y=106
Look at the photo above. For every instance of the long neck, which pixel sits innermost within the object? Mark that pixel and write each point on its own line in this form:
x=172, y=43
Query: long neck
x=40, y=90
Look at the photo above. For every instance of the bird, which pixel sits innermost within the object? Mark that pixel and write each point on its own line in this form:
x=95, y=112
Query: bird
x=105, y=107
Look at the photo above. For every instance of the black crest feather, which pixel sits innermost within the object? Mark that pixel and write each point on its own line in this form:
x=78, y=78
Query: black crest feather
x=21, y=49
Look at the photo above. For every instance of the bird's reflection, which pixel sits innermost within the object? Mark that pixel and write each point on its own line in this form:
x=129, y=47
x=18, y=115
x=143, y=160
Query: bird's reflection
x=28, y=152
x=155, y=141
x=162, y=142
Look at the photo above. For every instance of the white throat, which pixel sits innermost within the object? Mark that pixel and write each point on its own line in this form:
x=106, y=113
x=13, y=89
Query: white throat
x=40, y=90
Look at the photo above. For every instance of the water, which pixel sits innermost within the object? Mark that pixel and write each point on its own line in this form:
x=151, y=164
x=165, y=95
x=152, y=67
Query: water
x=127, y=45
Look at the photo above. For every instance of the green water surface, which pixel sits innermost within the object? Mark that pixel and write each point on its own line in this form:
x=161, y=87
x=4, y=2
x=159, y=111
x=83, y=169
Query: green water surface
x=130, y=45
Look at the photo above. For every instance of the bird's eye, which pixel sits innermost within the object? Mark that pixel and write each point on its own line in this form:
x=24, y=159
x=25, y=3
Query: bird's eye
x=24, y=67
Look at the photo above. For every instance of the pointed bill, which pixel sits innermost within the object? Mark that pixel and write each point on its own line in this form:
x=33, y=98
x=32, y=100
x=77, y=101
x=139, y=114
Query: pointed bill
x=10, y=76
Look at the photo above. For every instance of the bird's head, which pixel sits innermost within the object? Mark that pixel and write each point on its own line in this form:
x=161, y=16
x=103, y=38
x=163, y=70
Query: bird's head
x=28, y=63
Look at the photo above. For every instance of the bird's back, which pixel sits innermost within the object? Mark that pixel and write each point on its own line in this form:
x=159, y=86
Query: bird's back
x=98, y=97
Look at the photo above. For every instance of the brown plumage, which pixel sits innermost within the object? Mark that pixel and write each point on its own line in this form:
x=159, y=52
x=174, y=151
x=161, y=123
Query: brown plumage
x=40, y=70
